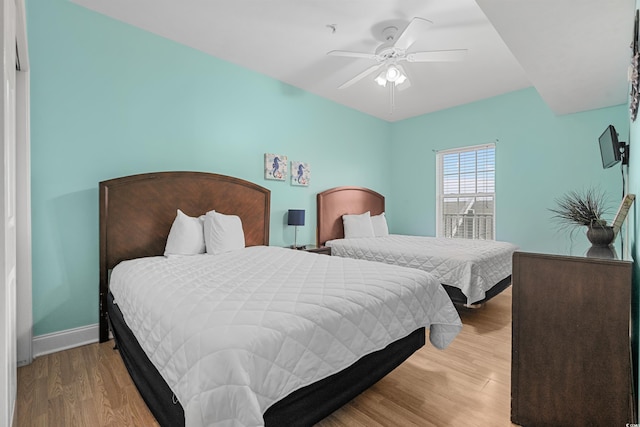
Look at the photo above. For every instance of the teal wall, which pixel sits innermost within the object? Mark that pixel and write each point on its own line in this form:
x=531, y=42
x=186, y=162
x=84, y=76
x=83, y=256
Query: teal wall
x=109, y=100
x=539, y=157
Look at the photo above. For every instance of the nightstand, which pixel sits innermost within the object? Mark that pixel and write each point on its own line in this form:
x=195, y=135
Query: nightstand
x=323, y=250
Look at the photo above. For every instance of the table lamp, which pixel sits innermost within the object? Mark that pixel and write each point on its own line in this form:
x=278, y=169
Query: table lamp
x=296, y=218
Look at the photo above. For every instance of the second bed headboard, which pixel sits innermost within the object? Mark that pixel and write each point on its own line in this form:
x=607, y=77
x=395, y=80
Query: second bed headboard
x=335, y=202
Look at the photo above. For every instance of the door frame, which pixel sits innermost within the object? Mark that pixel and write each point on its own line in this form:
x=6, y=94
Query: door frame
x=24, y=306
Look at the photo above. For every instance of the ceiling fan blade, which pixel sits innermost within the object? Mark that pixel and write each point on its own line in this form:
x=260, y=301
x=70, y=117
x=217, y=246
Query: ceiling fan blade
x=360, y=76
x=413, y=31
x=438, y=56
x=352, y=54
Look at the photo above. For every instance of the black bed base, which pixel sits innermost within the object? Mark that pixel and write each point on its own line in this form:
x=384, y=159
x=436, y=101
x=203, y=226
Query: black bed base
x=152, y=387
x=457, y=297
x=303, y=407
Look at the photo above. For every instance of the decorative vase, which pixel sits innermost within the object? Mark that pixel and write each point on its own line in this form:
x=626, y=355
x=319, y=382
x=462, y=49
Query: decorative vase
x=600, y=235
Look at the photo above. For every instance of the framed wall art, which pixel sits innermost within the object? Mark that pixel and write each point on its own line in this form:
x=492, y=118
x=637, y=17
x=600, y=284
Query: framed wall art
x=300, y=173
x=275, y=167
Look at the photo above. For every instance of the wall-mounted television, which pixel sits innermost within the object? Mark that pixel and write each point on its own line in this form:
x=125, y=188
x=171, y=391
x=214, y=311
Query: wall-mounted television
x=609, y=147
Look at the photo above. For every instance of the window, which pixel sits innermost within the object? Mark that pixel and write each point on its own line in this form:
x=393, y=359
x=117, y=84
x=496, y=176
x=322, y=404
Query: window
x=466, y=192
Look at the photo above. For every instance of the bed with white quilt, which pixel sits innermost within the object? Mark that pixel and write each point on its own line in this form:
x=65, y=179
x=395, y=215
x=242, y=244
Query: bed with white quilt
x=217, y=328
x=351, y=220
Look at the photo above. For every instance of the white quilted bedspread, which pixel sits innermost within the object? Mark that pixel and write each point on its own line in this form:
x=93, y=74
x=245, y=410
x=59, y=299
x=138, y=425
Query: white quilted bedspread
x=234, y=333
x=474, y=266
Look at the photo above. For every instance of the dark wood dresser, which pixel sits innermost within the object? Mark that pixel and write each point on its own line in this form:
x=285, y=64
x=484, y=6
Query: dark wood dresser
x=571, y=354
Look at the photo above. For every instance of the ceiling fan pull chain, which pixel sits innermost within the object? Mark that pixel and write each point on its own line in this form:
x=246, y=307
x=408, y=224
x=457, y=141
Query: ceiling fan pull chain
x=392, y=96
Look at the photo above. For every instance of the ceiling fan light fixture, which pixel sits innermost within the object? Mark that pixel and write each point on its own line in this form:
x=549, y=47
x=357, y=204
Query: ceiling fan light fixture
x=381, y=79
x=393, y=73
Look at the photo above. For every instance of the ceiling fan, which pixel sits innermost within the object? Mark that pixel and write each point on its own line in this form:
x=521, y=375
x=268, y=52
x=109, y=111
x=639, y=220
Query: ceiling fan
x=394, y=51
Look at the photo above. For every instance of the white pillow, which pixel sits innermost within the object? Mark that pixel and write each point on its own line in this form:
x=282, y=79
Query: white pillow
x=186, y=236
x=379, y=223
x=357, y=226
x=222, y=233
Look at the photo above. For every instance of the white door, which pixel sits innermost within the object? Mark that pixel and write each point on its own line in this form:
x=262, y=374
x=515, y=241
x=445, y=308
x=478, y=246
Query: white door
x=8, y=363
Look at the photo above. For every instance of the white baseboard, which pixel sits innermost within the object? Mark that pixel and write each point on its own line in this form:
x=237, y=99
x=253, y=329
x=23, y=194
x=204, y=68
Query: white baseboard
x=63, y=340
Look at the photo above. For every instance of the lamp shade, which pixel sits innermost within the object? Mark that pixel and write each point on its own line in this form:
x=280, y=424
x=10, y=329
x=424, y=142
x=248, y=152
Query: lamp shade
x=296, y=217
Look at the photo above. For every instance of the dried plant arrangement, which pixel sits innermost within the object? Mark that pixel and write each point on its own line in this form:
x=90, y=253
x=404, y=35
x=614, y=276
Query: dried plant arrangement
x=581, y=208
x=585, y=208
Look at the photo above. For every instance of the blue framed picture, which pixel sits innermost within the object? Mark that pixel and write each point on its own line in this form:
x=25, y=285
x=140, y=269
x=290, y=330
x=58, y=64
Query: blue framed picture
x=300, y=173
x=275, y=167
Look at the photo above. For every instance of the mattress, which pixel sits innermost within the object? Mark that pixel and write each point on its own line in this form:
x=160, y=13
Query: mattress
x=234, y=333
x=473, y=266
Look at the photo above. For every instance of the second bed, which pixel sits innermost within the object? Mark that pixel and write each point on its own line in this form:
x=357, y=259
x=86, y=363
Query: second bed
x=471, y=271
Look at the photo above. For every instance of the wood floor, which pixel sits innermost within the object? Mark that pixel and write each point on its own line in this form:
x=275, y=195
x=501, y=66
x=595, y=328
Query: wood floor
x=468, y=384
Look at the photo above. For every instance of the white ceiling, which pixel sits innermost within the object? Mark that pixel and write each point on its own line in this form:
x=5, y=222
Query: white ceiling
x=574, y=52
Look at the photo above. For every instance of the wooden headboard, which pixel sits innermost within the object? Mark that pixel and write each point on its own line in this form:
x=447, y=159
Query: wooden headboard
x=136, y=213
x=334, y=203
